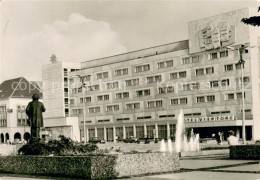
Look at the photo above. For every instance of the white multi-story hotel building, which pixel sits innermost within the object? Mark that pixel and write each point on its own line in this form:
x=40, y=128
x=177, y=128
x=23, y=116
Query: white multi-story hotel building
x=141, y=93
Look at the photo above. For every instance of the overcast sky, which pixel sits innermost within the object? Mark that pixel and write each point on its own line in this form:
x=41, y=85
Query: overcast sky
x=31, y=31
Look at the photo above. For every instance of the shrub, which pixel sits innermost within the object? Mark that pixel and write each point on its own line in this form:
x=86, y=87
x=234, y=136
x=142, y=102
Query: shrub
x=147, y=141
x=62, y=146
x=133, y=152
x=118, y=150
x=149, y=151
x=213, y=148
x=245, y=152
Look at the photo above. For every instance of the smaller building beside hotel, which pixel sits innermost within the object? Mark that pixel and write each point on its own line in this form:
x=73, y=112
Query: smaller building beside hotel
x=15, y=94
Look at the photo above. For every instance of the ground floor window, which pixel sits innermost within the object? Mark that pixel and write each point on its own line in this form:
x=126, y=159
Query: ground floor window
x=139, y=131
x=110, y=134
x=129, y=132
x=150, y=131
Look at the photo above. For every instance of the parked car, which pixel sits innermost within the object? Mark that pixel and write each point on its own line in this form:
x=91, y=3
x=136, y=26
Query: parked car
x=96, y=140
x=131, y=140
x=146, y=139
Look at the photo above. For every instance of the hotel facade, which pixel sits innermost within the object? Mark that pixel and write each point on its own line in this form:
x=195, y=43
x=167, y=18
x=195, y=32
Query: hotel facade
x=141, y=93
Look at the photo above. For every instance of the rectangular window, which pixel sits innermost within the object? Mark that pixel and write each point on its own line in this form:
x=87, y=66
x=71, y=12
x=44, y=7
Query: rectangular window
x=238, y=66
x=199, y=72
x=174, y=102
x=195, y=59
x=87, y=99
x=239, y=95
x=104, y=120
x=165, y=64
x=122, y=95
x=161, y=65
x=120, y=72
x=214, y=55
x=21, y=116
x=72, y=101
x=143, y=92
x=152, y=104
x=112, y=108
x=94, y=109
x=123, y=119
x=173, y=75
x=169, y=63
x=223, y=54
x=229, y=67
x=133, y=106
x=195, y=86
x=142, y=68
x=154, y=79
x=112, y=85
x=182, y=74
x=186, y=60
x=80, y=100
x=211, y=98
x=210, y=70
x=132, y=82
x=183, y=100
x=103, y=98
x=102, y=75
x=201, y=99
x=163, y=90
x=225, y=82
x=213, y=84
x=230, y=96
x=93, y=88
x=186, y=87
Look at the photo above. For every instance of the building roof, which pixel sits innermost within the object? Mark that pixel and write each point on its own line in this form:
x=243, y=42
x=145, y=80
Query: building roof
x=142, y=53
x=19, y=88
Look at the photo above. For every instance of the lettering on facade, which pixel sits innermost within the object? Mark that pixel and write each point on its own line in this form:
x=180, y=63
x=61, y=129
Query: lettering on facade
x=215, y=36
x=208, y=119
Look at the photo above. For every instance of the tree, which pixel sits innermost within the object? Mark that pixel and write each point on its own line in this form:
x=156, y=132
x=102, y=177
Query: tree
x=254, y=20
x=53, y=58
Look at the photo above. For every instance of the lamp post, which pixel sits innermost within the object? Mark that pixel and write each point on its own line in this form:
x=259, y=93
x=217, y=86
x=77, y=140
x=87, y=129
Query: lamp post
x=241, y=48
x=83, y=85
x=242, y=62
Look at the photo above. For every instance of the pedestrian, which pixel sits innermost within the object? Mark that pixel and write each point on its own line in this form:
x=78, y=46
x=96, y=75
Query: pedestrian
x=218, y=138
x=34, y=111
x=232, y=140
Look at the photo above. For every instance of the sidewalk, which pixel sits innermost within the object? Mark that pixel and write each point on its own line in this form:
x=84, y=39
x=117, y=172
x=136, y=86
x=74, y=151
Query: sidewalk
x=212, y=168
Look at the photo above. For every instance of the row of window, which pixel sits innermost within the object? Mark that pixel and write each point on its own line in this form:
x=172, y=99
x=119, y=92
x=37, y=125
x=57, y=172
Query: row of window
x=161, y=90
x=163, y=64
x=158, y=78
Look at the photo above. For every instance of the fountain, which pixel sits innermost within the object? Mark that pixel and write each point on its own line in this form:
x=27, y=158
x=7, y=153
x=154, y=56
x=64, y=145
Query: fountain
x=163, y=146
x=181, y=141
x=170, y=145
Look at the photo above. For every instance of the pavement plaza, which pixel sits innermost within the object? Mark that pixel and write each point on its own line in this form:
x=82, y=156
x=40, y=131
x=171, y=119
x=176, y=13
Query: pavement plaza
x=211, y=167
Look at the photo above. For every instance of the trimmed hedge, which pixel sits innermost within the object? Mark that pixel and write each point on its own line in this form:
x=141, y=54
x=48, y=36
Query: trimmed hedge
x=245, y=152
x=91, y=167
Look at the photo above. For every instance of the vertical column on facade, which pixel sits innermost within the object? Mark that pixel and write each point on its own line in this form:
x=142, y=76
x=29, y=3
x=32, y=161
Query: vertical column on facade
x=168, y=130
x=156, y=130
x=114, y=134
x=124, y=132
x=238, y=133
x=96, y=135
x=145, y=130
x=134, y=129
x=105, y=133
x=87, y=135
